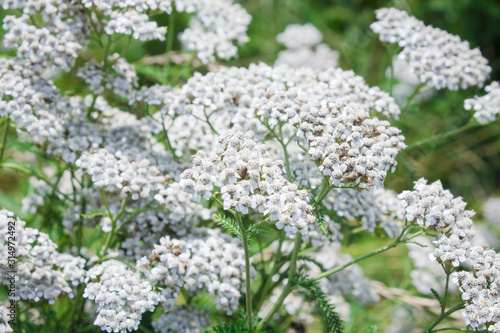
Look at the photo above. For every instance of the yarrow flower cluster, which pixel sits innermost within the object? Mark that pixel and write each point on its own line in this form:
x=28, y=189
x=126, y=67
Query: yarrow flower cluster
x=253, y=142
x=485, y=107
x=122, y=81
x=348, y=146
x=249, y=179
x=376, y=208
x=121, y=296
x=440, y=59
x=189, y=319
x=435, y=208
x=42, y=272
x=140, y=179
x=206, y=260
x=304, y=48
x=54, y=45
x=479, y=289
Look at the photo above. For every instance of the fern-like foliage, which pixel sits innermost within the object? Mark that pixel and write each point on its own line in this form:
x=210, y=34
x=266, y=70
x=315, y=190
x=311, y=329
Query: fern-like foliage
x=238, y=324
x=332, y=319
x=320, y=217
x=228, y=223
x=314, y=261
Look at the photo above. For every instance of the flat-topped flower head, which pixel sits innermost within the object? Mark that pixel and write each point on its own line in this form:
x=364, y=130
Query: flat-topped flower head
x=205, y=260
x=42, y=271
x=440, y=59
x=248, y=179
x=437, y=209
x=121, y=296
x=486, y=108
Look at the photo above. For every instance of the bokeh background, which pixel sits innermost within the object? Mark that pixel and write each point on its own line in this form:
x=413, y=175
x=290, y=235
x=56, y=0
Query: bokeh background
x=467, y=163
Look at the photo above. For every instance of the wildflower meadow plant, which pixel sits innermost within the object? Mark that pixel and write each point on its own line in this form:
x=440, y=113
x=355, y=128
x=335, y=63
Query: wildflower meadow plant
x=170, y=193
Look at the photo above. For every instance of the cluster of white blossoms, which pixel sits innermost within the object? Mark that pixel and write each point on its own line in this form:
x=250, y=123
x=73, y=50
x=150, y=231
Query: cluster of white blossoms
x=204, y=261
x=121, y=296
x=485, y=107
x=237, y=91
x=435, y=208
x=53, y=45
x=129, y=18
x=5, y=318
x=122, y=80
x=440, y=59
x=216, y=27
x=248, y=178
x=406, y=83
x=178, y=217
x=348, y=146
x=115, y=172
x=42, y=272
x=183, y=318
x=479, y=289
x=378, y=207
x=304, y=48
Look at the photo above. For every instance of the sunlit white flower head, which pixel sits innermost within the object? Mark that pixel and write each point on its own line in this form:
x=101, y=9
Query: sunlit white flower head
x=304, y=48
x=183, y=318
x=486, y=108
x=440, y=59
x=437, y=209
x=42, y=272
x=206, y=260
x=249, y=179
x=121, y=296
x=297, y=36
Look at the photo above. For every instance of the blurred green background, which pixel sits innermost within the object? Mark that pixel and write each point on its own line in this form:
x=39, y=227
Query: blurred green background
x=467, y=163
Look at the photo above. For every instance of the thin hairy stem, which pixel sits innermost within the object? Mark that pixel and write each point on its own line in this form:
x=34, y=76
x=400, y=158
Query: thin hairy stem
x=248, y=282
x=398, y=241
x=170, y=43
x=439, y=319
x=110, y=235
x=412, y=96
x=4, y=138
x=292, y=271
x=444, y=135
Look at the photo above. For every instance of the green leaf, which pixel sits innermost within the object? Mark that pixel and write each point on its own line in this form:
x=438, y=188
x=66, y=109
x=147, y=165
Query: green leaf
x=435, y=293
x=332, y=319
x=227, y=223
x=94, y=213
x=320, y=218
x=238, y=324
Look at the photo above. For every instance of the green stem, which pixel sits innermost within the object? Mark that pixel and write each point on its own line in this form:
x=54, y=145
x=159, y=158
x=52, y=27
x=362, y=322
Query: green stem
x=4, y=138
x=443, y=305
x=412, y=96
x=443, y=316
x=324, y=190
x=110, y=235
x=287, y=158
x=443, y=135
x=255, y=225
x=170, y=41
x=73, y=313
x=248, y=282
x=398, y=241
x=289, y=286
x=276, y=265
x=207, y=118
